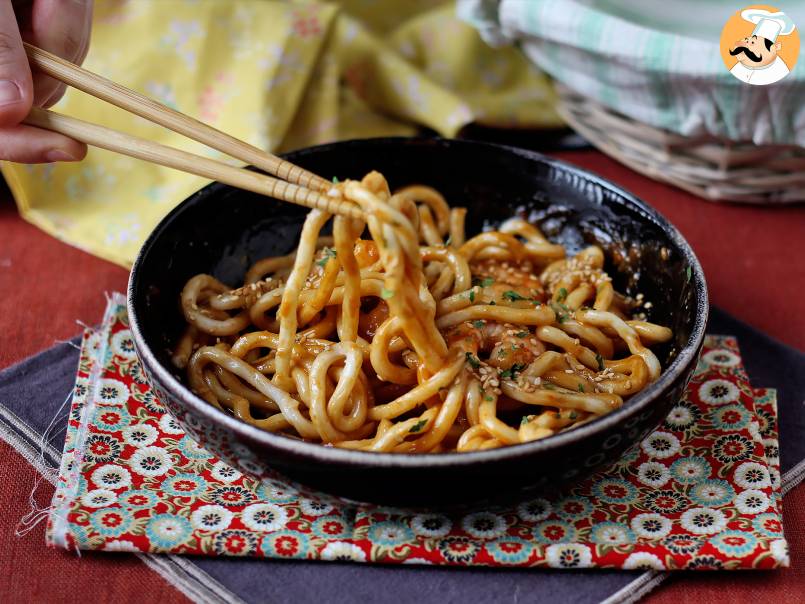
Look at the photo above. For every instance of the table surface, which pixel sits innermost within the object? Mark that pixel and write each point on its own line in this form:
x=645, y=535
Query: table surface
x=753, y=258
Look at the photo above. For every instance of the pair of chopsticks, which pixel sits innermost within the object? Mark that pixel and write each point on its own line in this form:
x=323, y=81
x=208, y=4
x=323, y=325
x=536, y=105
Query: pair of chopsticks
x=293, y=184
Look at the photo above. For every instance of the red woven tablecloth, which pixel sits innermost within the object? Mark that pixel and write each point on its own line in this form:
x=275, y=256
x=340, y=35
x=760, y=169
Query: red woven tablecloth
x=752, y=258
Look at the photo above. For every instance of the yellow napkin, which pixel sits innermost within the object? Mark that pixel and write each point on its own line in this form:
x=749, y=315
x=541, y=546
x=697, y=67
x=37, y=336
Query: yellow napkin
x=281, y=75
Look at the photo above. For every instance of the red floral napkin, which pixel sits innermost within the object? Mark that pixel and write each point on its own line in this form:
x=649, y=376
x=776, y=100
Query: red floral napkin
x=702, y=492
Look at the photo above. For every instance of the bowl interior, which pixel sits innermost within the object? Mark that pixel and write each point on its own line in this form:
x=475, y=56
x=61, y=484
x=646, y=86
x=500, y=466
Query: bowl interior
x=222, y=231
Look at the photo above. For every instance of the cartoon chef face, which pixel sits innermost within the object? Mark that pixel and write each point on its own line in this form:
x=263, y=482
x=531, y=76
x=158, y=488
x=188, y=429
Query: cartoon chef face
x=755, y=51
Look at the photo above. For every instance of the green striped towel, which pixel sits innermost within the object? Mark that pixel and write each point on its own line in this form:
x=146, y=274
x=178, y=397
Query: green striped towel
x=655, y=61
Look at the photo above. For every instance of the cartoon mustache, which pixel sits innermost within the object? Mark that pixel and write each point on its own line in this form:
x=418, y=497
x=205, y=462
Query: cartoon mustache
x=750, y=55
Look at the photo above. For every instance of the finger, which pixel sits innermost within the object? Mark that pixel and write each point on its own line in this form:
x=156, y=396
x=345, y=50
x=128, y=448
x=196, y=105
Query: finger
x=63, y=28
x=16, y=88
x=43, y=81
x=29, y=145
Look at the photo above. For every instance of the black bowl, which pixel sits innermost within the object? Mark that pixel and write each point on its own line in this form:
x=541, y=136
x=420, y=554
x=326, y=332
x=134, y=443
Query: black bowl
x=222, y=231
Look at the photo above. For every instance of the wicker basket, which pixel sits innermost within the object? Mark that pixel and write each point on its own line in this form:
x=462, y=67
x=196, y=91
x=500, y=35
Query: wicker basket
x=714, y=169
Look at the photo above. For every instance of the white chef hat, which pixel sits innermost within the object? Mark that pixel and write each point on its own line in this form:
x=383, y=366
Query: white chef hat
x=767, y=24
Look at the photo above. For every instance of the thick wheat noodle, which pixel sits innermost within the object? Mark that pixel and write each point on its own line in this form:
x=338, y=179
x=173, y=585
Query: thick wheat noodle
x=322, y=295
x=428, y=228
x=535, y=242
x=387, y=370
x=201, y=319
x=320, y=407
x=417, y=340
x=487, y=417
x=446, y=416
x=589, y=335
x=345, y=236
x=627, y=333
x=184, y=347
x=460, y=274
x=542, y=315
x=238, y=388
x=604, y=297
x=457, y=219
x=289, y=407
x=433, y=201
x=441, y=285
x=267, y=301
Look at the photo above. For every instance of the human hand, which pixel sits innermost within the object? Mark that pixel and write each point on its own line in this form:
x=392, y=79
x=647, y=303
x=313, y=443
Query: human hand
x=58, y=26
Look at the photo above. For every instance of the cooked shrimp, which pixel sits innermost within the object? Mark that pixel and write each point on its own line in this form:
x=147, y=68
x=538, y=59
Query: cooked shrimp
x=506, y=345
x=520, y=275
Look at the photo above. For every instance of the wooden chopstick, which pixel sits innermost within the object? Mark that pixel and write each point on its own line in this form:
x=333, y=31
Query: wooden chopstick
x=147, y=108
x=133, y=146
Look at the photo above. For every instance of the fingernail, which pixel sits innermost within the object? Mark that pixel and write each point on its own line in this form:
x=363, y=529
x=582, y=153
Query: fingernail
x=9, y=93
x=59, y=155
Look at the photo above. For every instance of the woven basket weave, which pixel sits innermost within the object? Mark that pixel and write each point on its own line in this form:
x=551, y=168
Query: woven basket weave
x=714, y=169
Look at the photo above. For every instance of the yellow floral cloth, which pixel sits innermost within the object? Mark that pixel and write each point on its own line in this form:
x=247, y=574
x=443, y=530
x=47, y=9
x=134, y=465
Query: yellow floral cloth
x=281, y=75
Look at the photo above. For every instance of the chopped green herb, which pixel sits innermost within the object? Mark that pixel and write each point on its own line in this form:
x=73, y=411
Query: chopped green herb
x=489, y=398
x=688, y=273
x=328, y=253
x=573, y=415
x=557, y=415
x=487, y=282
x=522, y=334
x=512, y=371
x=562, y=295
x=472, y=295
x=418, y=426
x=479, y=323
x=524, y=421
x=581, y=387
x=513, y=296
x=560, y=316
x=335, y=180
x=386, y=293
x=501, y=353
x=474, y=362
x=600, y=360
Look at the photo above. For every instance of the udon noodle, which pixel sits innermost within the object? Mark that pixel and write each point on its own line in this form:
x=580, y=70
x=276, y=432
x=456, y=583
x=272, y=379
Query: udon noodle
x=418, y=339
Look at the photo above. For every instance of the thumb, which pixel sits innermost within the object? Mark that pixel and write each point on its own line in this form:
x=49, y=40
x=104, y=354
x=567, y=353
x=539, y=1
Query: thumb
x=16, y=88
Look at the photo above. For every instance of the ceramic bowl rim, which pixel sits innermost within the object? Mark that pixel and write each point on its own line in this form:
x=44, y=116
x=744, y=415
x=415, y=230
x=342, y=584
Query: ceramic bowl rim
x=316, y=452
